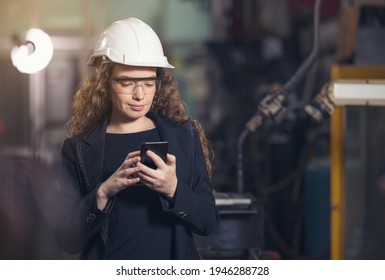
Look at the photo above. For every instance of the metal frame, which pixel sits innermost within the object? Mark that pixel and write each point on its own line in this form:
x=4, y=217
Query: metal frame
x=337, y=142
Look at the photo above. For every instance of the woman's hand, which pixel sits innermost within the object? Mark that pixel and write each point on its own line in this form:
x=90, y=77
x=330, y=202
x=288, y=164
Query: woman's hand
x=163, y=179
x=122, y=178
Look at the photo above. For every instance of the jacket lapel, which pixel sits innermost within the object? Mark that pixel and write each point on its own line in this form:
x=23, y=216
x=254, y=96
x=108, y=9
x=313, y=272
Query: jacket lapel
x=92, y=155
x=160, y=125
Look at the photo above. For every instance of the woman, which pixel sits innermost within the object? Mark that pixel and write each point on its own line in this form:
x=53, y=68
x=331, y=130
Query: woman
x=115, y=207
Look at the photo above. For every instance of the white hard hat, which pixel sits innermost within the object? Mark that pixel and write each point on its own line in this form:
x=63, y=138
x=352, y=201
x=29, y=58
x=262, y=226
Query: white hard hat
x=131, y=42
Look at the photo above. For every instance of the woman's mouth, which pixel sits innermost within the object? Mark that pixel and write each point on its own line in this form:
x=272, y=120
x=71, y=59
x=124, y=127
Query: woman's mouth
x=137, y=107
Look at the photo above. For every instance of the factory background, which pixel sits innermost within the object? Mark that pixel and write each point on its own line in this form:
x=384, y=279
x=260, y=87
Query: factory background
x=310, y=190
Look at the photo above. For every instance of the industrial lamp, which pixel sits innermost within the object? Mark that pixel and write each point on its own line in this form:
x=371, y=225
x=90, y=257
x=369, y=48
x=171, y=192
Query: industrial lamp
x=34, y=54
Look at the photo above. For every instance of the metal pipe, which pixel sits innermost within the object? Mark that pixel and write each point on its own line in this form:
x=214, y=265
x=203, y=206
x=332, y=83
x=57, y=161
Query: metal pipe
x=241, y=140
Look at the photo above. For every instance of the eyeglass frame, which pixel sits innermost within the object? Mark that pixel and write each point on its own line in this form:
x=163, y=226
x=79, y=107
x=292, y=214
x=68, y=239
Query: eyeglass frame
x=135, y=80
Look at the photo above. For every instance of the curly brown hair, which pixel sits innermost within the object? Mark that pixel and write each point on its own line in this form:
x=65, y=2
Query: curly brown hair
x=92, y=104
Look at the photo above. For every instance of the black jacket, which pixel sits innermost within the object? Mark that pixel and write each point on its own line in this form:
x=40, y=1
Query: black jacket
x=83, y=227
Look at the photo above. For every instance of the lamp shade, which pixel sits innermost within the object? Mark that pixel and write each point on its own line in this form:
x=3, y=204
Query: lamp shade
x=34, y=54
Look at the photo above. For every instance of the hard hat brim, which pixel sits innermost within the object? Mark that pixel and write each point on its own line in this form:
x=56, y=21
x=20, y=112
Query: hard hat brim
x=97, y=60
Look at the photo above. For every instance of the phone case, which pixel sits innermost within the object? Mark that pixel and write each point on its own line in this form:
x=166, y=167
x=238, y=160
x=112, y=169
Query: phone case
x=160, y=148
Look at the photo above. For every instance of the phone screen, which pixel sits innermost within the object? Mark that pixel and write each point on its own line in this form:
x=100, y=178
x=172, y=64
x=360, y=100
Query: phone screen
x=160, y=148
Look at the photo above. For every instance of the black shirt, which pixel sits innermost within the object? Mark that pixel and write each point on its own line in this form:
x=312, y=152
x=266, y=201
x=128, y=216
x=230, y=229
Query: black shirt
x=138, y=226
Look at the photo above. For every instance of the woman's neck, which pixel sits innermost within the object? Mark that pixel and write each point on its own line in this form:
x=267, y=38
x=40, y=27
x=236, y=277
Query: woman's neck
x=129, y=126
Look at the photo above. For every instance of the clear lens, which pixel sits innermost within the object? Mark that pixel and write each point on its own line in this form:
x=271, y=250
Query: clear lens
x=129, y=85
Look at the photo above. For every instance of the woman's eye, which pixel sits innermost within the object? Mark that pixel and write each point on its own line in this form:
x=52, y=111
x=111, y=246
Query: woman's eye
x=149, y=84
x=126, y=83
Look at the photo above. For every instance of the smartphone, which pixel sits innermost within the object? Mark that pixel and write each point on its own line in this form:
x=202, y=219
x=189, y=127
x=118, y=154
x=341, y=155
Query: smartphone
x=159, y=148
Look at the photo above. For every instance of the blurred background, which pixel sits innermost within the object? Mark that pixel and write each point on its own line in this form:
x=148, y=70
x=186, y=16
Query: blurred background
x=310, y=190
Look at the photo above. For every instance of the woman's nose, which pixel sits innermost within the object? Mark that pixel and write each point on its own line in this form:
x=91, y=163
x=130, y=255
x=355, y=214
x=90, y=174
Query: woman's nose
x=138, y=93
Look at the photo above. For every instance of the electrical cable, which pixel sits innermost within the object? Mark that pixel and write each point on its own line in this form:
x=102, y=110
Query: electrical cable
x=271, y=100
x=275, y=106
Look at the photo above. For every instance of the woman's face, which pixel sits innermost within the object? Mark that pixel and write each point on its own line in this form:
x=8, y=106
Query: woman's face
x=132, y=90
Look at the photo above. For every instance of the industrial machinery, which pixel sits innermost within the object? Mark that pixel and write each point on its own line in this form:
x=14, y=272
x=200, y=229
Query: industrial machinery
x=339, y=92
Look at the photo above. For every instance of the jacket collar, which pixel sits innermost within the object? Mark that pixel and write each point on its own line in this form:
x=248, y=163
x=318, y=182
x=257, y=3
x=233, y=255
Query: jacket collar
x=96, y=135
